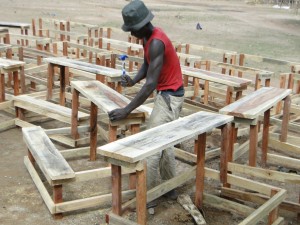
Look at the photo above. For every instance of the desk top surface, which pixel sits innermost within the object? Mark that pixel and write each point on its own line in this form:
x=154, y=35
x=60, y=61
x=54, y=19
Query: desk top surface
x=144, y=144
x=10, y=64
x=84, y=66
x=14, y=24
x=255, y=103
x=215, y=77
x=105, y=97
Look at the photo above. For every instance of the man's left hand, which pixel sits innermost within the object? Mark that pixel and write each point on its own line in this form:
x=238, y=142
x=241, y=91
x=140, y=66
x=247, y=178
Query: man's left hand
x=117, y=114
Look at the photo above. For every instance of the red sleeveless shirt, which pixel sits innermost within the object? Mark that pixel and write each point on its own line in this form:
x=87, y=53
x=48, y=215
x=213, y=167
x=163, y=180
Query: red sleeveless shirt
x=170, y=77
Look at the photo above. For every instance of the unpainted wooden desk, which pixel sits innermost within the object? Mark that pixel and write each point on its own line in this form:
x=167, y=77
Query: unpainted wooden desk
x=14, y=66
x=107, y=99
x=248, y=109
x=132, y=152
x=233, y=83
x=24, y=27
x=63, y=62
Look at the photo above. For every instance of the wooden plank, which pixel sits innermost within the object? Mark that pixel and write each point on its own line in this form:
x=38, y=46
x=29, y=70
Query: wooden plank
x=8, y=64
x=118, y=220
x=105, y=97
x=215, y=77
x=88, y=67
x=266, y=208
x=49, y=159
x=264, y=173
x=46, y=108
x=84, y=203
x=139, y=146
x=40, y=186
x=15, y=25
x=284, y=161
x=8, y=124
x=285, y=148
x=255, y=103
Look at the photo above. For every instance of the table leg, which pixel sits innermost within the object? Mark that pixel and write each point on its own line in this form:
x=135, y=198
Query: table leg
x=134, y=128
x=57, y=198
x=285, y=119
x=253, y=144
x=50, y=80
x=273, y=215
x=141, y=196
x=226, y=151
x=201, y=145
x=93, y=134
x=74, y=119
x=2, y=87
x=265, y=138
x=112, y=133
x=16, y=83
x=62, y=94
x=116, y=189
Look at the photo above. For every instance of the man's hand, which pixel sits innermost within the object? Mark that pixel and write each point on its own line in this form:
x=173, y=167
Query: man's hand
x=117, y=114
x=126, y=81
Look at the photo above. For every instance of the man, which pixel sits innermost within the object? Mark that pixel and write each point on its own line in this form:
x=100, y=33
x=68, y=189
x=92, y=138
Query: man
x=162, y=71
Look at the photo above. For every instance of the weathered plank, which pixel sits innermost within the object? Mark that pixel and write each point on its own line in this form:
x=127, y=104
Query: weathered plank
x=7, y=64
x=49, y=159
x=215, y=77
x=88, y=67
x=47, y=108
x=255, y=103
x=105, y=98
x=15, y=25
x=139, y=146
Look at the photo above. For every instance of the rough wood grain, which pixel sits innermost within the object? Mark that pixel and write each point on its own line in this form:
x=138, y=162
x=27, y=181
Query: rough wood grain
x=139, y=146
x=255, y=103
x=49, y=159
x=215, y=77
x=105, y=98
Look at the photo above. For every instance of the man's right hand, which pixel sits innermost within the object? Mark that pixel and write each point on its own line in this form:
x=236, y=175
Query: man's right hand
x=126, y=81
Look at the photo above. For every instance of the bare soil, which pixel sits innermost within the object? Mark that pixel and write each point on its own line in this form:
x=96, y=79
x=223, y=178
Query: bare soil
x=232, y=25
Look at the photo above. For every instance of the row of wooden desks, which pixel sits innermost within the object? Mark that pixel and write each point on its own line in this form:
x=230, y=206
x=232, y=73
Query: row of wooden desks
x=62, y=63
x=236, y=84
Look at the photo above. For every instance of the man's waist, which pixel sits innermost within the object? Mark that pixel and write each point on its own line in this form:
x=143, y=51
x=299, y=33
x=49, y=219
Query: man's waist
x=179, y=92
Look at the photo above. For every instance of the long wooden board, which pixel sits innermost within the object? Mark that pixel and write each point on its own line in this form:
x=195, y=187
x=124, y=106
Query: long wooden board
x=141, y=145
x=215, y=77
x=88, y=67
x=255, y=103
x=49, y=159
x=10, y=64
x=106, y=98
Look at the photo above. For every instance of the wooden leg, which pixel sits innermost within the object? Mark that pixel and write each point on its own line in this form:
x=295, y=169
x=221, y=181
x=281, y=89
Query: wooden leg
x=238, y=95
x=226, y=148
x=16, y=83
x=116, y=189
x=228, y=96
x=31, y=158
x=112, y=133
x=141, y=196
x=2, y=87
x=253, y=144
x=57, y=198
x=62, y=94
x=93, y=134
x=201, y=145
x=134, y=128
x=265, y=138
x=285, y=119
x=50, y=80
x=22, y=80
x=273, y=215
x=20, y=113
x=206, y=92
x=74, y=119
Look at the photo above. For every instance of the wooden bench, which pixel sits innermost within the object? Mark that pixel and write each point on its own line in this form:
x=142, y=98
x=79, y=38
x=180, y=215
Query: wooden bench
x=133, y=150
x=107, y=99
x=45, y=108
x=22, y=26
x=53, y=165
x=248, y=109
x=233, y=83
x=63, y=62
x=6, y=66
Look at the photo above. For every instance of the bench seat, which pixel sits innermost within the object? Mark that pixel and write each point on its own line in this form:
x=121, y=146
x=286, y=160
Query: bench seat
x=46, y=108
x=49, y=159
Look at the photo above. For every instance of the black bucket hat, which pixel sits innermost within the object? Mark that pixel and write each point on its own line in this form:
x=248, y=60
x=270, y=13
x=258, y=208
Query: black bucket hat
x=135, y=16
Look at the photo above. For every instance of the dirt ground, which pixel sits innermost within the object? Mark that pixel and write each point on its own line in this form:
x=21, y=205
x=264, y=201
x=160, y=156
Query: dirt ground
x=232, y=25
